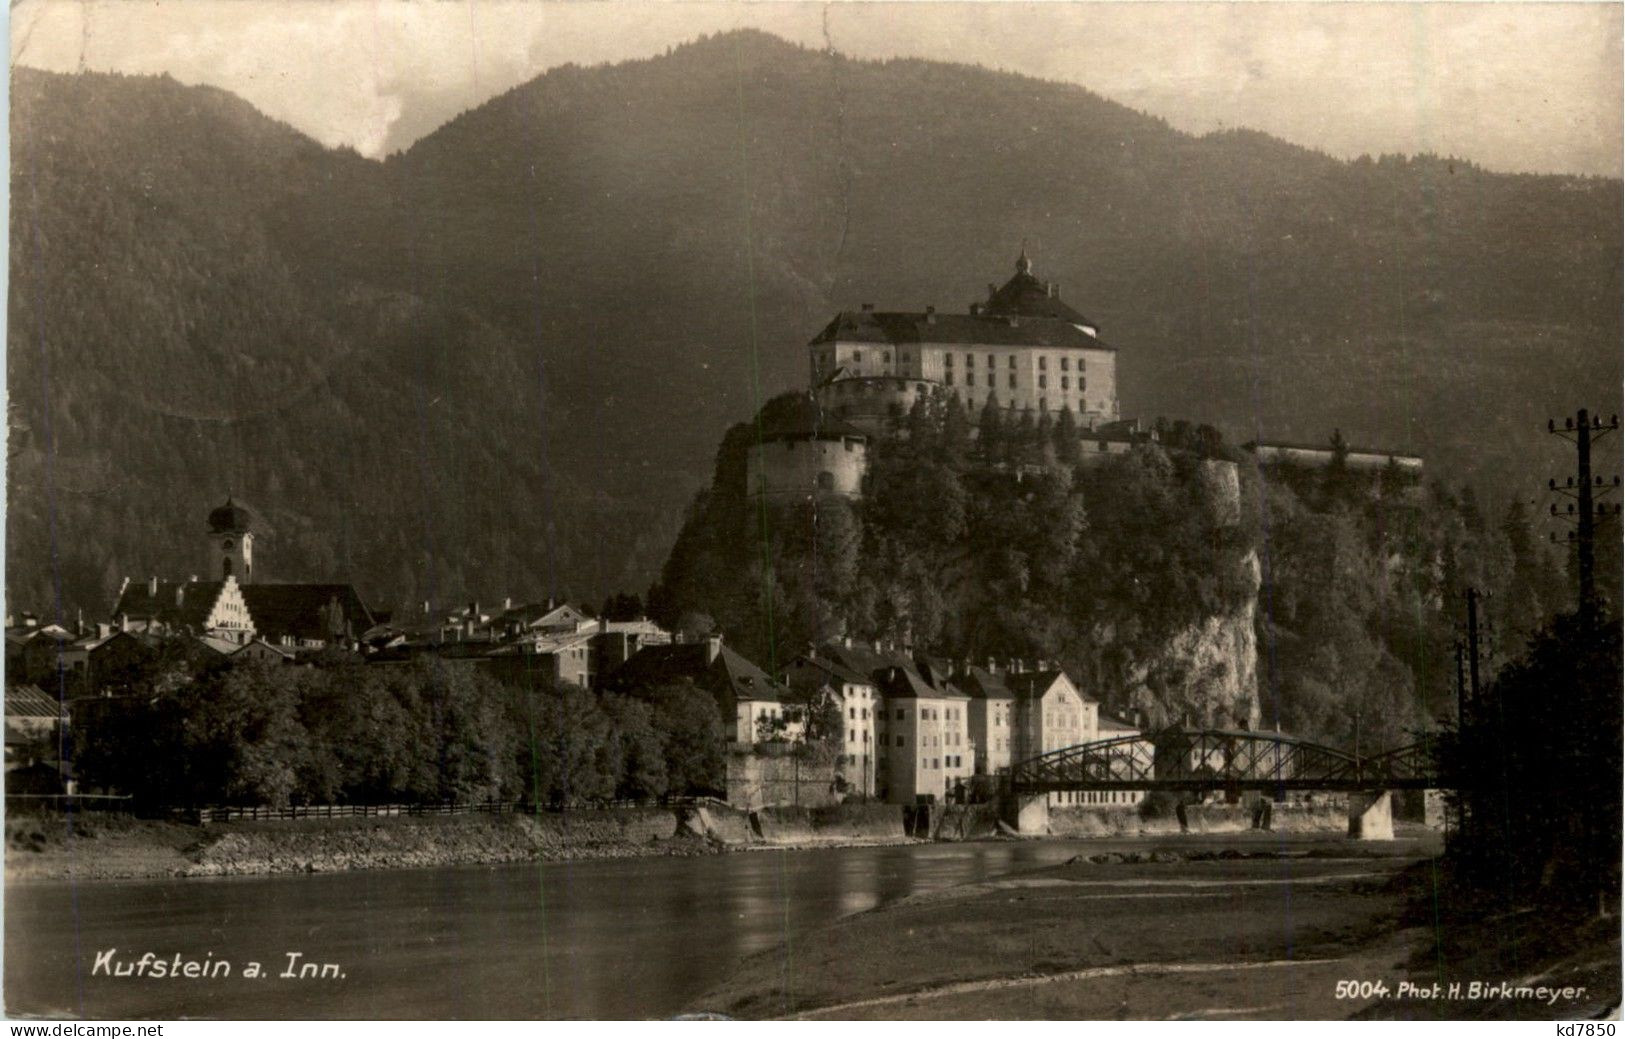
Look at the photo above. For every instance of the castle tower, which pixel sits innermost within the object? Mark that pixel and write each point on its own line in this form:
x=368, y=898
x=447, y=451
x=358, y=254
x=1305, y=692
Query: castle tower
x=231, y=543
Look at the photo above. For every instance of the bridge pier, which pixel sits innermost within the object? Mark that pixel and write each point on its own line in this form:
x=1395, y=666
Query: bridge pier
x=1371, y=815
x=1025, y=813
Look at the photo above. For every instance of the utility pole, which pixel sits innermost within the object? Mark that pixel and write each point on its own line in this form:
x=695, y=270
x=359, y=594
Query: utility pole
x=1472, y=643
x=1461, y=687
x=1584, y=429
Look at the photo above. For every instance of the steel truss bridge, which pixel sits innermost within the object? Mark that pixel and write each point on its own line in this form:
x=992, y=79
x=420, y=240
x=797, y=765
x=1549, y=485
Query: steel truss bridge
x=1213, y=759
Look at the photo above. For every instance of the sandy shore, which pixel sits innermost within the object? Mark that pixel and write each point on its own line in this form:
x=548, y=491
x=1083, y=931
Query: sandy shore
x=1177, y=936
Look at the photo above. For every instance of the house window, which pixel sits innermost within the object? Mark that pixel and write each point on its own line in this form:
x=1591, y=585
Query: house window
x=1083, y=384
x=1043, y=363
x=1064, y=363
x=1012, y=380
x=990, y=379
x=885, y=358
x=970, y=360
x=948, y=360
x=1043, y=381
x=1066, y=381
x=1012, y=360
x=990, y=360
x=899, y=717
x=857, y=356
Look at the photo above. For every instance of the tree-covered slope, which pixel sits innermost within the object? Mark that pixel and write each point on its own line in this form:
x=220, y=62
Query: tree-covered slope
x=498, y=362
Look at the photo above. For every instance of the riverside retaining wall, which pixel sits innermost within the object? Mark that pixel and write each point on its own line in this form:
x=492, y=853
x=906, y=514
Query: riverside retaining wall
x=785, y=824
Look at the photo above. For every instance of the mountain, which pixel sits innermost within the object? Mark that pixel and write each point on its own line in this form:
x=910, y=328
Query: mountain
x=498, y=362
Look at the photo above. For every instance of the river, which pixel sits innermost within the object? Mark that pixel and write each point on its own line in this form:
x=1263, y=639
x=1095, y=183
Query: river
x=626, y=938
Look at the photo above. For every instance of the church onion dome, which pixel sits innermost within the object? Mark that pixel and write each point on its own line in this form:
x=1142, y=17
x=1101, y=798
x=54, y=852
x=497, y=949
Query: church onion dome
x=1026, y=296
x=801, y=417
x=231, y=519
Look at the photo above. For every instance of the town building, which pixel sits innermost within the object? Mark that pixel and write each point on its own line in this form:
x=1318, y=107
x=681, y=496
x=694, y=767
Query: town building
x=854, y=694
x=992, y=716
x=924, y=730
x=1050, y=714
x=1023, y=348
x=1140, y=751
x=752, y=704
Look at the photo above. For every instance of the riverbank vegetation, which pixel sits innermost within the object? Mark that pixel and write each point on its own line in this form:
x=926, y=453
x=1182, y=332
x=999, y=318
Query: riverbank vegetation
x=421, y=732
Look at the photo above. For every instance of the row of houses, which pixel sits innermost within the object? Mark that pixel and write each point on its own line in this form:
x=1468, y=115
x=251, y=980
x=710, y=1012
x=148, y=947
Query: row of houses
x=912, y=728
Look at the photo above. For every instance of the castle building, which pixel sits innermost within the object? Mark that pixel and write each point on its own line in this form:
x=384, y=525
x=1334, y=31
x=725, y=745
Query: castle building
x=803, y=451
x=1023, y=348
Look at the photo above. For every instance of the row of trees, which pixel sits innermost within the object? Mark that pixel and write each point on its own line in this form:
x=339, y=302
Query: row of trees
x=425, y=731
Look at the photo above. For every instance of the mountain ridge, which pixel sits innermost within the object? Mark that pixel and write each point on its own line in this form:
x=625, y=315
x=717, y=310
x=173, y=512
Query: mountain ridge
x=625, y=259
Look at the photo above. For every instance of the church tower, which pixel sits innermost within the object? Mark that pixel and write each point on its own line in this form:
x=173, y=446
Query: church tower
x=231, y=543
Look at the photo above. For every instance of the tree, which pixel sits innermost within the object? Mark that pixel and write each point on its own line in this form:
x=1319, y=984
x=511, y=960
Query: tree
x=622, y=606
x=990, y=430
x=690, y=728
x=563, y=755
x=637, y=753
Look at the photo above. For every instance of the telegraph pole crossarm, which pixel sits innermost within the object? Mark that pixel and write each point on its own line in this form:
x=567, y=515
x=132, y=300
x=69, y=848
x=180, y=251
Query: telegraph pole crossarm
x=1585, y=429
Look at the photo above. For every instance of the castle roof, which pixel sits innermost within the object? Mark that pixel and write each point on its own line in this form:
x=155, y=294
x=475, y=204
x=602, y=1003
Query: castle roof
x=1026, y=296
x=801, y=417
x=1023, y=312
x=899, y=328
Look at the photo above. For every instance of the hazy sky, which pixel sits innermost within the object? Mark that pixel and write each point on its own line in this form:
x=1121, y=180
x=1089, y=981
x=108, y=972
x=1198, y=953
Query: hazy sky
x=1513, y=86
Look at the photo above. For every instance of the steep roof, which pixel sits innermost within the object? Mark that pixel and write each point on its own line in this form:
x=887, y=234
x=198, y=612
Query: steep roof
x=729, y=674
x=1032, y=684
x=1027, y=296
x=180, y=604
x=306, y=611
x=1106, y=723
x=29, y=701
x=901, y=328
x=982, y=684
x=836, y=669
x=802, y=417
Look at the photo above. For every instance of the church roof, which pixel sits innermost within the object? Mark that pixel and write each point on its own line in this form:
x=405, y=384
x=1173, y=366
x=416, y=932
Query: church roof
x=305, y=611
x=179, y=604
x=231, y=518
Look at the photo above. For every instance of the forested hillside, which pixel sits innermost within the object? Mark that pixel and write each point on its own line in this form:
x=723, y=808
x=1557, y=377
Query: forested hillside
x=1126, y=571
x=497, y=363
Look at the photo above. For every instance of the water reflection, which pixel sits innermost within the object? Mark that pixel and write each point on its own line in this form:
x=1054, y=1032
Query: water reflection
x=627, y=938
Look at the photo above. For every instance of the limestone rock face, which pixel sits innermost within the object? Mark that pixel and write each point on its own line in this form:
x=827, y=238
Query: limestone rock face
x=1205, y=675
